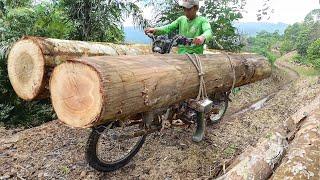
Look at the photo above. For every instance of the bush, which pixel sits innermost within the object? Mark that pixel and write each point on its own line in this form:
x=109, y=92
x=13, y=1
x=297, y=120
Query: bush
x=313, y=53
x=266, y=44
x=286, y=46
x=13, y=110
x=301, y=59
x=41, y=20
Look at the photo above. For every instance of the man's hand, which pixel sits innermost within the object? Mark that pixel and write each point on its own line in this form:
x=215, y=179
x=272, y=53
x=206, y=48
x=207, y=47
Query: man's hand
x=150, y=30
x=199, y=40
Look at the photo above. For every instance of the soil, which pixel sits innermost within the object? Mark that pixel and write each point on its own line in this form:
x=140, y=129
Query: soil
x=56, y=151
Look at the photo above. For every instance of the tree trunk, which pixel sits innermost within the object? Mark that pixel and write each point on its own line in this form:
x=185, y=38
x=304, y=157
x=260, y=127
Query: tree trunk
x=303, y=158
x=93, y=90
x=32, y=59
x=258, y=162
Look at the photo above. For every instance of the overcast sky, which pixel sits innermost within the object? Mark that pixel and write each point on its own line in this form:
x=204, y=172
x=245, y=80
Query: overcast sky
x=286, y=11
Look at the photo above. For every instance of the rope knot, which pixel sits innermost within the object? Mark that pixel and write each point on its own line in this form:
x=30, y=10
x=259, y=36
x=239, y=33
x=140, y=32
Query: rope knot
x=202, y=94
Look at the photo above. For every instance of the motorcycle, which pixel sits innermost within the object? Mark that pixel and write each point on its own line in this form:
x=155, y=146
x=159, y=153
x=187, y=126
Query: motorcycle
x=112, y=145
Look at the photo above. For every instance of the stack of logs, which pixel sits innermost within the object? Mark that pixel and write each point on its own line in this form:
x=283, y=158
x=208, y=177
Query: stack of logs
x=91, y=83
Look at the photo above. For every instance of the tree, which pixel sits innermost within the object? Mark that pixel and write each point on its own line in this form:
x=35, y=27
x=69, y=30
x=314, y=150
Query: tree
x=101, y=20
x=265, y=43
x=21, y=18
x=309, y=33
x=314, y=53
x=299, y=36
x=166, y=11
x=312, y=17
x=291, y=35
x=221, y=14
x=52, y=21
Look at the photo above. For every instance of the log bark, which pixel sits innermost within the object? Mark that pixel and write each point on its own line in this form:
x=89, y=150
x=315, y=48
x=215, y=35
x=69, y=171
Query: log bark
x=93, y=90
x=32, y=59
x=258, y=162
x=303, y=158
x=272, y=156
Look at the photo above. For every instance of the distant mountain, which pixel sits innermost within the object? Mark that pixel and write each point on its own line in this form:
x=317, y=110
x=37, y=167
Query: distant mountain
x=252, y=28
x=134, y=35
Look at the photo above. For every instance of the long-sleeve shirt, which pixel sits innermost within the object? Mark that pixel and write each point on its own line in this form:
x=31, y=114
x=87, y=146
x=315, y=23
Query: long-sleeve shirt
x=199, y=26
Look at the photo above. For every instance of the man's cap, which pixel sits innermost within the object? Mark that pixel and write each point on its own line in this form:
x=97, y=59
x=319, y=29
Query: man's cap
x=188, y=3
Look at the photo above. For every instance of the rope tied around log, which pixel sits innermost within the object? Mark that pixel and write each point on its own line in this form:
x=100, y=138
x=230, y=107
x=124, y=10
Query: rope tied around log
x=198, y=65
x=202, y=87
x=231, y=65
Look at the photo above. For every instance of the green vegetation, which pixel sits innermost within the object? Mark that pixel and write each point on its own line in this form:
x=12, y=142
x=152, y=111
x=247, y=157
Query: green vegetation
x=19, y=18
x=266, y=44
x=313, y=53
x=230, y=150
x=301, y=37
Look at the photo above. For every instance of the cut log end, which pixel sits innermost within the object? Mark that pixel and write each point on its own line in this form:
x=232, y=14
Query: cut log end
x=76, y=94
x=26, y=69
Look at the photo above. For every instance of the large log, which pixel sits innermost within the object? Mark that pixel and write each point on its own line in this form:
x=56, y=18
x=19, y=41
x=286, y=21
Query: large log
x=258, y=162
x=93, y=90
x=32, y=59
x=303, y=158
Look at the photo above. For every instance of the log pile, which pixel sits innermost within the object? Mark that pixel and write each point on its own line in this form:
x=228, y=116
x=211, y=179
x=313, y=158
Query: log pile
x=118, y=80
x=32, y=59
x=89, y=91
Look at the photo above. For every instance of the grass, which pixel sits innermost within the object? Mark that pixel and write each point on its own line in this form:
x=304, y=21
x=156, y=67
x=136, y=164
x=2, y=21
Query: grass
x=303, y=70
x=229, y=151
x=65, y=170
x=269, y=135
x=307, y=71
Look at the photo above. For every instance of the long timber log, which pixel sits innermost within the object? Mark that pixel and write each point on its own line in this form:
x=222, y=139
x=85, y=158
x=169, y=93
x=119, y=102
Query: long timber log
x=93, y=90
x=302, y=160
x=32, y=59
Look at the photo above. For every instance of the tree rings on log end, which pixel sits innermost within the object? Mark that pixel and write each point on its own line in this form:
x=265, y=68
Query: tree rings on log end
x=76, y=94
x=26, y=69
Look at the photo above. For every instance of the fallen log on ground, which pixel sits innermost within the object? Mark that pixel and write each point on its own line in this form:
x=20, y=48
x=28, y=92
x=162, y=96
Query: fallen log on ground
x=32, y=59
x=303, y=158
x=93, y=90
x=258, y=162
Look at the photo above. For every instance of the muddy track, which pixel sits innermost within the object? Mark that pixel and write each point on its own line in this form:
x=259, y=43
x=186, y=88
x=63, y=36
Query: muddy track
x=55, y=151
